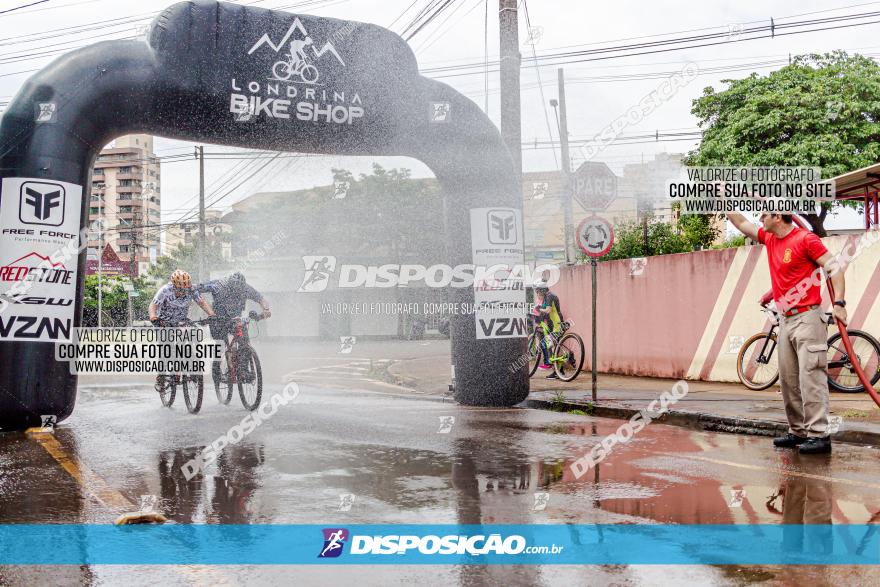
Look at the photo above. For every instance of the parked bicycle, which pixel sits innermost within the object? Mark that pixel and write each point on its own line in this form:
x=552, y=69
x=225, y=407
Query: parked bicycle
x=240, y=366
x=758, y=372
x=192, y=384
x=566, y=350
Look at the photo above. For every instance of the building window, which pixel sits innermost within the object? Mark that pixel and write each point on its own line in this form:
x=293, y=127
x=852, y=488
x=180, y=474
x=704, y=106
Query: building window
x=124, y=248
x=93, y=210
x=125, y=209
x=98, y=170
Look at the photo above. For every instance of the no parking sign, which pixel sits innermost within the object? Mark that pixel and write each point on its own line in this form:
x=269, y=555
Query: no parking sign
x=595, y=236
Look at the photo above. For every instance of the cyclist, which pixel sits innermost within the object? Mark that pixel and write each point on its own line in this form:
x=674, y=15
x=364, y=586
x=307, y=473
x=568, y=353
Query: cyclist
x=170, y=305
x=230, y=297
x=297, y=52
x=548, y=310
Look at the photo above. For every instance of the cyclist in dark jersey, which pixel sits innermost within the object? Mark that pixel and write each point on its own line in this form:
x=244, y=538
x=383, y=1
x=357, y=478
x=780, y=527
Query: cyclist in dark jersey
x=230, y=297
x=548, y=309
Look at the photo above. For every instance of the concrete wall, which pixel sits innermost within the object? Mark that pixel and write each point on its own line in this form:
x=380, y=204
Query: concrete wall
x=686, y=315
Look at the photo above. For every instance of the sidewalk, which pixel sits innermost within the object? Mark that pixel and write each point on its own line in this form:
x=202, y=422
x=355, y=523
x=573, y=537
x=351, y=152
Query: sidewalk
x=720, y=407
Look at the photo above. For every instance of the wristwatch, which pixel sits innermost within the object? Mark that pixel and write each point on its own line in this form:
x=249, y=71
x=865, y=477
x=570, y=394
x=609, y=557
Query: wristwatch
x=840, y=303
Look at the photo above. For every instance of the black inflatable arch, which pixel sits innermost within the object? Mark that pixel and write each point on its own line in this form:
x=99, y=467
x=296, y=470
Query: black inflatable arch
x=217, y=72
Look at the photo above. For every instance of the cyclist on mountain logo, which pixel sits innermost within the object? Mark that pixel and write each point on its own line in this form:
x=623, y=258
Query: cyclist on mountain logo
x=297, y=63
x=297, y=51
x=547, y=309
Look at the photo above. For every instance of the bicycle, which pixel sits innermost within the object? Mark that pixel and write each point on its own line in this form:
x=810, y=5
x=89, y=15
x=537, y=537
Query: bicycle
x=566, y=356
x=757, y=373
x=192, y=384
x=240, y=365
x=284, y=70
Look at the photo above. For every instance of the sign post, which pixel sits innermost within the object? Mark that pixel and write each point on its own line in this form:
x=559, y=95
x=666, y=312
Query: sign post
x=595, y=236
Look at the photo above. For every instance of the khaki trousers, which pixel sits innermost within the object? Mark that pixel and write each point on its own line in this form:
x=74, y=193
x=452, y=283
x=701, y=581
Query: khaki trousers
x=803, y=372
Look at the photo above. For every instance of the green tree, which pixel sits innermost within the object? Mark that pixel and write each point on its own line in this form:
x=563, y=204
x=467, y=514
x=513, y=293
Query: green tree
x=186, y=257
x=386, y=214
x=822, y=110
x=114, y=300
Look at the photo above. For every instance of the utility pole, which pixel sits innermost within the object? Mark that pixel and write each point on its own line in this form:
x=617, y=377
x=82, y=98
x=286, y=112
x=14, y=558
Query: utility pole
x=133, y=253
x=566, y=170
x=100, y=252
x=511, y=122
x=200, y=153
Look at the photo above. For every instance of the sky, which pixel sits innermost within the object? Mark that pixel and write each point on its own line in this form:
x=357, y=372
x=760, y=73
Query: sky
x=597, y=92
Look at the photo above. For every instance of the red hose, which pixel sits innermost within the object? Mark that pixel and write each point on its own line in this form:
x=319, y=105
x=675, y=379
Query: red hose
x=844, y=336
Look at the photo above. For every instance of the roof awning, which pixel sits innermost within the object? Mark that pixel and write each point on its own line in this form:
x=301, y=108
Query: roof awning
x=855, y=184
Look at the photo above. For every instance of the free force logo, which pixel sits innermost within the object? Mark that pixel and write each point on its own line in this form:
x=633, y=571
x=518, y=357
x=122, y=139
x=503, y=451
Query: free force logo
x=41, y=203
x=334, y=541
x=502, y=227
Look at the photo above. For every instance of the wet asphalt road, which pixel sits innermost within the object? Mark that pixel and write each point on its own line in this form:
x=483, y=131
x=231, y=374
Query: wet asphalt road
x=403, y=463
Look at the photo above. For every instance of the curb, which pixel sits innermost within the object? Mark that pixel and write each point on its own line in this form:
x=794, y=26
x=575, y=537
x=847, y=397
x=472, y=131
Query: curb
x=702, y=421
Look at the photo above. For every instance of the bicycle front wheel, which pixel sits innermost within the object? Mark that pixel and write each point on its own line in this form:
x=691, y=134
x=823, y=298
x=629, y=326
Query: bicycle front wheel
x=841, y=374
x=222, y=382
x=754, y=364
x=568, y=359
x=250, y=379
x=193, y=388
x=167, y=388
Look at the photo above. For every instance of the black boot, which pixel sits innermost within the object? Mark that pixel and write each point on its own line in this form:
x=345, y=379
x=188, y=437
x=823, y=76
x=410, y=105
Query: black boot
x=789, y=441
x=815, y=446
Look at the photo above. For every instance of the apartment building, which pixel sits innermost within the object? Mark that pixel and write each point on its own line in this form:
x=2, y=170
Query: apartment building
x=126, y=192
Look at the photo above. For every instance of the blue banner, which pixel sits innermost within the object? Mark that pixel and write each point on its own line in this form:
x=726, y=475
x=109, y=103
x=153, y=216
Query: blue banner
x=79, y=544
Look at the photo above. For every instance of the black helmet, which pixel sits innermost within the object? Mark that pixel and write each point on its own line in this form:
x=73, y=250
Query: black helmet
x=236, y=280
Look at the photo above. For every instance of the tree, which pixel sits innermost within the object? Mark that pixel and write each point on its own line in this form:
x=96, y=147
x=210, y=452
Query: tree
x=821, y=111
x=186, y=257
x=387, y=215
x=114, y=300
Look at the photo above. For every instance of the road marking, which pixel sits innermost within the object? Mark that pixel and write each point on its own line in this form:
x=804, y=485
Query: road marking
x=96, y=487
x=90, y=482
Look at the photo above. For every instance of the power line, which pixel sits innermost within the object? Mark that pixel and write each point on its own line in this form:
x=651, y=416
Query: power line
x=638, y=49
x=540, y=84
x=23, y=6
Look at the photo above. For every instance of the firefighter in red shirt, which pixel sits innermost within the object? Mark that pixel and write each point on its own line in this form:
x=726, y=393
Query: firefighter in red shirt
x=794, y=255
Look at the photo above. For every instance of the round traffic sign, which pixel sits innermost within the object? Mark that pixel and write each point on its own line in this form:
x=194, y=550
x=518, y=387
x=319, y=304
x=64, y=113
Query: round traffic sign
x=595, y=236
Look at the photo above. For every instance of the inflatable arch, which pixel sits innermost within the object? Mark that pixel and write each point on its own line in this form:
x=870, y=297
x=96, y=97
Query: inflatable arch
x=235, y=75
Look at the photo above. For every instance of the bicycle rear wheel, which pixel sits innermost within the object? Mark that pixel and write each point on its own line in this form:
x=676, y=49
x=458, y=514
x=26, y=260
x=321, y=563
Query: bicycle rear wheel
x=193, y=388
x=841, y=375
x=534, y=350
x=754, y=364
x=568, y=359
x=250, y=379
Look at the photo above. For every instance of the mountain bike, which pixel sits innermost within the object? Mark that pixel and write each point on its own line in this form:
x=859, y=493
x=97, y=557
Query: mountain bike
x=566, y=350
x=287, y=68
x=192, y=384
x=239, y=366
x=757, y=372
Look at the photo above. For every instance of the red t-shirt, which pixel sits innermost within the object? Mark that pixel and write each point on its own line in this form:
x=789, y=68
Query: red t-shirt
x=792, y=261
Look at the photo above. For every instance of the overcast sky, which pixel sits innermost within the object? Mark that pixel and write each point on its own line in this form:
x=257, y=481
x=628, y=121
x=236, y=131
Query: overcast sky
x=457, y=36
